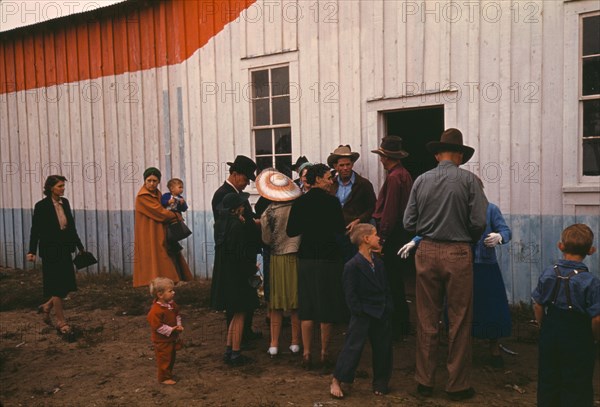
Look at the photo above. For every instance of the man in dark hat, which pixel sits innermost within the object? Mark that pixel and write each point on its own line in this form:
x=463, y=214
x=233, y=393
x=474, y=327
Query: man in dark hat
x=447, y=207
x=355, y=193
x=389, y=210
x=241, y=171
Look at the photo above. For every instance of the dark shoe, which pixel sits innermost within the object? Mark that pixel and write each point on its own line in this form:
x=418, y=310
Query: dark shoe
x=226, y=357
x=461, y=395
x=240, y=360
x=496, y=361
x=306, y=362
x=425, y=391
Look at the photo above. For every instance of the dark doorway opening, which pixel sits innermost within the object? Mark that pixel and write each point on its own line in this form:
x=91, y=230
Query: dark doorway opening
x=417, y=127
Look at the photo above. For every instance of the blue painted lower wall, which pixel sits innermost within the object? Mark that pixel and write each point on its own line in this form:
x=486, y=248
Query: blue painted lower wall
x=109, y=235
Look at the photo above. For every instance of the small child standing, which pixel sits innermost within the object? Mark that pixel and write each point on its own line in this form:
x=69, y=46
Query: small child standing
x=369, y=299
x=567, y=307
x=166, y=325
x=173, y=200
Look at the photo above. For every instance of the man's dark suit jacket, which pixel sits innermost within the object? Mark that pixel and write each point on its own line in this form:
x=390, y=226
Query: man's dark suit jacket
x=45, y=230
x=366, y=291
x=361, y=202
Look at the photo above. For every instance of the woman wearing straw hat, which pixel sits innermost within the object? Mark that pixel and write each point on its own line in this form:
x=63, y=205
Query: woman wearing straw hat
x=283, y=277
x=317, y=216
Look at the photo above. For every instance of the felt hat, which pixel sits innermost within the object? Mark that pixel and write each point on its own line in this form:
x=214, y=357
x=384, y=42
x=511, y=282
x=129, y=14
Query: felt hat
x=391, y=146
x=275, y=186
x=244, y=165
x=301, y=160
x=451, y=140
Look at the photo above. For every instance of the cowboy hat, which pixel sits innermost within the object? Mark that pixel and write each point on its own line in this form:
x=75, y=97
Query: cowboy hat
x=391, y=147
x=342, y=152
x=275, y=186
x=244, y=165
x=451, y=140
x=233, y=200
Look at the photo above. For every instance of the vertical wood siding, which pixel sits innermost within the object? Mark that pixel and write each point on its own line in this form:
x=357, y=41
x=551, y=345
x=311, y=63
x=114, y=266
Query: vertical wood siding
x=167, y=85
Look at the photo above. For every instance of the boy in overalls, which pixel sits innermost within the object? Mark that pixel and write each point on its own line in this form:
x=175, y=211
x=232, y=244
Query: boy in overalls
x=567, y=307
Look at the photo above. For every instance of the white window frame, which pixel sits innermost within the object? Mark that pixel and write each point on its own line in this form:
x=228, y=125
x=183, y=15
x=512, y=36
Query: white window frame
x=574, y=182
x=290, y=59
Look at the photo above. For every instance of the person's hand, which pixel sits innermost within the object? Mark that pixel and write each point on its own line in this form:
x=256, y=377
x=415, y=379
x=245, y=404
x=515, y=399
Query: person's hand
x=181, y=200
x=178, y=328
x=179, y=217
x=31, y=257
x=492, y=240
x=404, y=251
x=351, y=225
x=171, y=200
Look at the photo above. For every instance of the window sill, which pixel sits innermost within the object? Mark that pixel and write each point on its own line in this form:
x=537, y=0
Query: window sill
x=573, y=189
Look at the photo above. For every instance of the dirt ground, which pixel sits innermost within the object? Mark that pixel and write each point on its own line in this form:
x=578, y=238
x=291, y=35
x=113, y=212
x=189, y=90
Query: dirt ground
x=110, y=362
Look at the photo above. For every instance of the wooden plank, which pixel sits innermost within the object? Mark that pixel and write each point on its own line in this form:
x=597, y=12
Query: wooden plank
x=213, y=163
x=520, y=193
x=291, y=15
x=488, y=160
x=10, y=170
x=531, y=170
x=255, y=26
x=194, y=187
x=308, y=69
x=415, y=38
x=114, y=259
x=392, y=23
x=329, y=78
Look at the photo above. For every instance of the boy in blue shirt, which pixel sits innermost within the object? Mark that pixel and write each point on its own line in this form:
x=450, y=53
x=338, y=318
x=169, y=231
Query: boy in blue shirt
x=567, y=307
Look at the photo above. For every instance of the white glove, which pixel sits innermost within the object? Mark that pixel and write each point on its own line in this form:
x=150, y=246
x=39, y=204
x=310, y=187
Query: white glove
x=405, y=250
x=492, y=240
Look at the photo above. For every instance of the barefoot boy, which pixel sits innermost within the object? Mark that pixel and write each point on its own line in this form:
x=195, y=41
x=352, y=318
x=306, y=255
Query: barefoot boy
x=369, y=299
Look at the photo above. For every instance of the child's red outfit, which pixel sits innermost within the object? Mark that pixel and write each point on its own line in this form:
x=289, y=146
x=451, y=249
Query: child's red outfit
x=163, y=318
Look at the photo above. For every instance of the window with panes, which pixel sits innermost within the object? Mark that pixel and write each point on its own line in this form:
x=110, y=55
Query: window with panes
x=589, y=94
x=271, y=128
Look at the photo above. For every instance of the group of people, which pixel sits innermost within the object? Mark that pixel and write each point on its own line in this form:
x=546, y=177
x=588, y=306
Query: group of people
x=335, y=252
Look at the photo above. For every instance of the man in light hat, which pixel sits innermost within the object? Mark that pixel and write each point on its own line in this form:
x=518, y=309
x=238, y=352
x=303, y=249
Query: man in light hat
x=355, y=193
x=389, y=210
x=241, y=171
x=447, y=207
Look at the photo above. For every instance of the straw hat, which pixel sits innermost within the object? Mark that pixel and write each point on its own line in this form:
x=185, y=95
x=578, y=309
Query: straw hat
x=275, y=186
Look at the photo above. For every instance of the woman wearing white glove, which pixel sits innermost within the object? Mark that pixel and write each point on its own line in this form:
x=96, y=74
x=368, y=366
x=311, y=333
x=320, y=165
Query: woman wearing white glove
x=491, y=315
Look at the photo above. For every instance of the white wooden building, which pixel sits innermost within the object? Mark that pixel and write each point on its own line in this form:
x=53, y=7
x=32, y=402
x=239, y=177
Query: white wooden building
x=188, y=85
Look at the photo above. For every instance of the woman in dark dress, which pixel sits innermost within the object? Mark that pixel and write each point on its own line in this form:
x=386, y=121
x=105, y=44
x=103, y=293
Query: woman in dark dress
x=317, y=217
x=235, y=262
x=53, y=229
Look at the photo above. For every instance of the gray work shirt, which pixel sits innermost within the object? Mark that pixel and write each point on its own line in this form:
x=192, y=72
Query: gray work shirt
x=447, y=203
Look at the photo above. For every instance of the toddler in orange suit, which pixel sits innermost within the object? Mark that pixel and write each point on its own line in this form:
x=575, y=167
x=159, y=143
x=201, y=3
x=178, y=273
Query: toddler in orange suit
x=166, y=326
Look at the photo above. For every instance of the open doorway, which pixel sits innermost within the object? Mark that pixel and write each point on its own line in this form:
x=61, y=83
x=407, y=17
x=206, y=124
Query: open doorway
x=417, y=127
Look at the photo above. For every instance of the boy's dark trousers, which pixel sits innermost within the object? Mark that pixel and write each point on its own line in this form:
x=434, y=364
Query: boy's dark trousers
x=379, y=332
x=566, y=360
